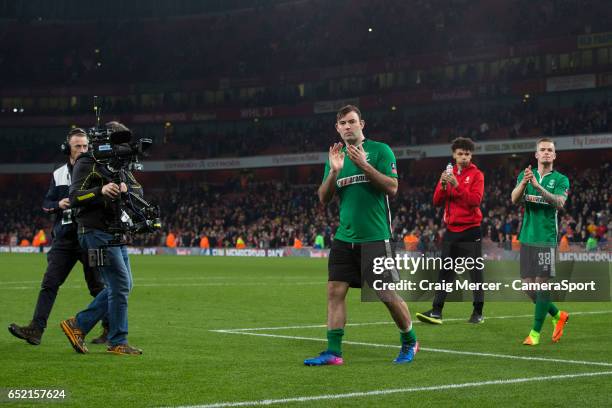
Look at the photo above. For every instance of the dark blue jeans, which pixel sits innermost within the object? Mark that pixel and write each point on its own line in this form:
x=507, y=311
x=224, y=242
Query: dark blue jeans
x=113, y=299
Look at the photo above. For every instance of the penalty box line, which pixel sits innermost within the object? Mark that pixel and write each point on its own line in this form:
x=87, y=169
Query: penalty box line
x=249, y=332
x=314, y=326
x=362, y=394
x=435, y=350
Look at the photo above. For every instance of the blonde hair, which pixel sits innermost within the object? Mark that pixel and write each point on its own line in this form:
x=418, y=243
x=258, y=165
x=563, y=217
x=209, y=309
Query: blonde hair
x=543, y=140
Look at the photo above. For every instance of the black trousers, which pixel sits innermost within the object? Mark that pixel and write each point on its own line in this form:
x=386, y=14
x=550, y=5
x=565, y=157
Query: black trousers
x=466, y=243
x=60, y=260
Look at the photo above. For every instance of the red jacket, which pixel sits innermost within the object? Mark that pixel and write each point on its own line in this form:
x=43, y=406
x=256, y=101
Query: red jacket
x=462, y=203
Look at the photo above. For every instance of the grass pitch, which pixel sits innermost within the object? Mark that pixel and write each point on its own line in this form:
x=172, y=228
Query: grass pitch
x=236, y=330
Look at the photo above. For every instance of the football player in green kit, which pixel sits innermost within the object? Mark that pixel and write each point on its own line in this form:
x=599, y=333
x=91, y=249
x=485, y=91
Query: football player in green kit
x=363, y=173
x=543, y=192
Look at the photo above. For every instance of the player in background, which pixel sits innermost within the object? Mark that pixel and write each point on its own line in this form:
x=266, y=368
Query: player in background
x=543, y=192
x=363, y=173
x=460, y=190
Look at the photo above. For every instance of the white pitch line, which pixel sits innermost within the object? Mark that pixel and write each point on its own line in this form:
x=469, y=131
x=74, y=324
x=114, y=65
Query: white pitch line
x=470, y=353
x=19, y=282
x=167, y=285
x=231, y=283
x=179, y=278
x=362, y=394
x=314, y=326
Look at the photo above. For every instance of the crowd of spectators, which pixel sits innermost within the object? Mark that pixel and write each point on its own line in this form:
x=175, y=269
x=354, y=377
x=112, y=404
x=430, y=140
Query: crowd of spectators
x=268, y=41
x=21, y=211
x=274, y=214
x=315, y=133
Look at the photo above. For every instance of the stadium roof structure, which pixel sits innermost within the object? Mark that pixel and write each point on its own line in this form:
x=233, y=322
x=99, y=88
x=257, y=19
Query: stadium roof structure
x=73, y=10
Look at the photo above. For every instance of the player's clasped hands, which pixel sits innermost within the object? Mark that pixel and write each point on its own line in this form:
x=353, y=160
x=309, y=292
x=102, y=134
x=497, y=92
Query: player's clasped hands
x=336, y=157
x=357, y=155
x=528, y=176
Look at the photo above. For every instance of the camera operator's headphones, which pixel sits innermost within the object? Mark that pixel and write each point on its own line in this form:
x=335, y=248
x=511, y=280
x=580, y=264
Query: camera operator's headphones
x=65, y=146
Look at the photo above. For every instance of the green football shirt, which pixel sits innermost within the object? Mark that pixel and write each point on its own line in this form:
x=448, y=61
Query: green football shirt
x=364, y=210
x=540, y=218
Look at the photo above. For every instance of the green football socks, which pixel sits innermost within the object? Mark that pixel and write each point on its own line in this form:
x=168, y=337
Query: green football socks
x=553, y=311
x=542, y=307
x=334, y=341
x=408, y=337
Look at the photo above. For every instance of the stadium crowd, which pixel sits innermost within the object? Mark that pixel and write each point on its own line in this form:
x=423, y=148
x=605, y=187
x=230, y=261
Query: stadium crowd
x=274, y=214
x=299, y=135
x=396, y=128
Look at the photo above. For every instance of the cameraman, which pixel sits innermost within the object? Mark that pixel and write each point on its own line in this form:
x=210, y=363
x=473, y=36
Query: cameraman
x=95, y=194
x=65, y=250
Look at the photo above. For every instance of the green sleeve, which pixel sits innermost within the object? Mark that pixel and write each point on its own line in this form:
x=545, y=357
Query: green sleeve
x=326, y=171
x=386, y=163
x=562, y=188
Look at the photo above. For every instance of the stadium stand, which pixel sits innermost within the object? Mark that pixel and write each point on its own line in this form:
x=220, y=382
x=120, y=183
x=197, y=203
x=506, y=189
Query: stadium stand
x=444, y=79
x=314, y=133
x=272, y=214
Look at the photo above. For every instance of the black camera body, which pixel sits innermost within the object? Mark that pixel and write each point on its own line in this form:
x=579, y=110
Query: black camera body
x=116, y=148
x=119, y=154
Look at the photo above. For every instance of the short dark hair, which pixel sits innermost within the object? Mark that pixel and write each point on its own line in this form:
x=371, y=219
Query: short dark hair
x=464, y=143
x=545, y=139
x=75, y=132
x=345, y=110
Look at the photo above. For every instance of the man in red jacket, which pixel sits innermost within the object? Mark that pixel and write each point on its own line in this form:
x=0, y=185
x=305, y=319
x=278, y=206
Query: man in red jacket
x=460, y=192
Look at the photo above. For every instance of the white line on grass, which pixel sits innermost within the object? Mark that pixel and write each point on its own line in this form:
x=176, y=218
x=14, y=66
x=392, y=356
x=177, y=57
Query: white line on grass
x=229, y=283
x=362, y=394
x=313, y=326
x=287, y=279
x=19, y=282
x=167, y=285
x=394, y=346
